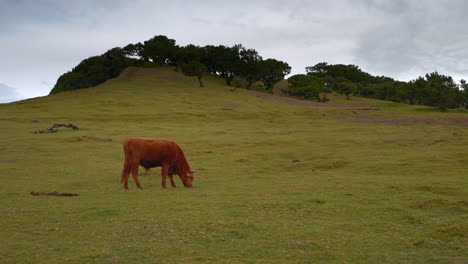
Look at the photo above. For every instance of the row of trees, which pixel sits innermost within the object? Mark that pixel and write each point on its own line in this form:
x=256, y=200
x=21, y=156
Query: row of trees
x=433, y=89
x=226, y=62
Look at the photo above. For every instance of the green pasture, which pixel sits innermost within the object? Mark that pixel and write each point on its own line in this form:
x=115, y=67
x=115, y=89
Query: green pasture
x=348, y=181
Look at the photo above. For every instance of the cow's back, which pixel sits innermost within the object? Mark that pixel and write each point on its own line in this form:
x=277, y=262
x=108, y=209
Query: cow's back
x=151, y=149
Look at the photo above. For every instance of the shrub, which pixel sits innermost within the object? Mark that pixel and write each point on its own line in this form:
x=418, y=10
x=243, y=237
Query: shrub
x=92, y=71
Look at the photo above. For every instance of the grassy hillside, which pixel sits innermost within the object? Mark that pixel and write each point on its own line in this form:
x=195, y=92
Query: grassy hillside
x=372, y=181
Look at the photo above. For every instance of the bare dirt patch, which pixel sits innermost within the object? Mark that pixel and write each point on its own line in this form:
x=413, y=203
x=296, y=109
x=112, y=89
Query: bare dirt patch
x=429, y=204
x=8, y=161
x=88, y=139
x=53, y=194
x=228, y=105
x=294, y=101
x=447, y=121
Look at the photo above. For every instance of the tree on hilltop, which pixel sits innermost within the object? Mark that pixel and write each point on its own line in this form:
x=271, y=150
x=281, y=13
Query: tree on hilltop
x=133, y=49
x=318, y=70
x=223, y=61
x=463, y=94
x=307, y=87
x=249, y=65
x=159, y=49
x=272, y=71
x=442, y=90
x=92, y=71
x=195, y=68
x=347, y=88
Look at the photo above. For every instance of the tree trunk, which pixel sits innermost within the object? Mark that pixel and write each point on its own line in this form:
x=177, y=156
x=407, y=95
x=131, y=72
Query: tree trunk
x=269, y=88
x=249, y=84
x=199, y=80
x=324, y=99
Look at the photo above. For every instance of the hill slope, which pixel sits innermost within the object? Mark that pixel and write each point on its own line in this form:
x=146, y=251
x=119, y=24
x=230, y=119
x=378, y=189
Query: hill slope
x=360, y=181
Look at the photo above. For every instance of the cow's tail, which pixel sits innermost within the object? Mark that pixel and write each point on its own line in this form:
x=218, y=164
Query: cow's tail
x=127, y=168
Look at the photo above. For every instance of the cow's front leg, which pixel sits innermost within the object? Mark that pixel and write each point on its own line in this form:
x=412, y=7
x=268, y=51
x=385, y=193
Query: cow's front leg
x=164, y=172
x=171, y=177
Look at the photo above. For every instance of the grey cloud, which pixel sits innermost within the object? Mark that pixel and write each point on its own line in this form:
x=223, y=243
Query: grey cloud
x=415, y=37
x=14, y=14
x=8, y=94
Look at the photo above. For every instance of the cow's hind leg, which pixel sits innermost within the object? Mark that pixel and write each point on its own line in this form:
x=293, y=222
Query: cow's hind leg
x=135, y=177
x=125, y=174
x=125, y=181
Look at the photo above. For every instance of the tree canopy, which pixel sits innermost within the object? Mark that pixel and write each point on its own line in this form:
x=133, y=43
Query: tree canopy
x=195, y=68
x=433, y=89
x=92, y=71
x=272, y=71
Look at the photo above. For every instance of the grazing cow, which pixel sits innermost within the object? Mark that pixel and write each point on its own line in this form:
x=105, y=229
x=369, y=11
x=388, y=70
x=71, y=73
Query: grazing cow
x=155, y=152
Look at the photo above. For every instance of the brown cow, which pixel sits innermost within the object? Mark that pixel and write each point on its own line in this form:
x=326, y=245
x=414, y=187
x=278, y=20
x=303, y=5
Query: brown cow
x=155, y=152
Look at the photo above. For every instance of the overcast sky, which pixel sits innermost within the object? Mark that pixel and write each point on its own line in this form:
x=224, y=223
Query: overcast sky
x=402, y=39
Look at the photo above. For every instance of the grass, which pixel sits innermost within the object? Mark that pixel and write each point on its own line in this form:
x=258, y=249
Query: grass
x=366, y=189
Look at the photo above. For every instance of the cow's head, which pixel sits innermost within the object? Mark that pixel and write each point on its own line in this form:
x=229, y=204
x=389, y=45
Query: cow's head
x=188, y=178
